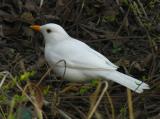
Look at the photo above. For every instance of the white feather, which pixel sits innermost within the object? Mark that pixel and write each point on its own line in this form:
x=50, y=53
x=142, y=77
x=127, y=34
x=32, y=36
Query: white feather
x=125, y=80
x=82, y=62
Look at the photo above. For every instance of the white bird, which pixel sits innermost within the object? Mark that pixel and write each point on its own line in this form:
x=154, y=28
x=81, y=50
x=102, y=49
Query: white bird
x=80, y=62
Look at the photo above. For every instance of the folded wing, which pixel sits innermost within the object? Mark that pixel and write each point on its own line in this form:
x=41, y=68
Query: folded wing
x=79, y=55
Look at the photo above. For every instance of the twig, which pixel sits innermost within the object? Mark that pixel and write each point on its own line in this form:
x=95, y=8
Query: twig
x=129, y=97
x=94, y=96
x=39, y=111
x=111, y=104
x=130, y=104
x=98, y=101
x=151, y=42
x=4, y=78
x=42, y=78
x=141, y=5
x=41, y=3
x=123, y=23
x=3, y=113
x=64, y=114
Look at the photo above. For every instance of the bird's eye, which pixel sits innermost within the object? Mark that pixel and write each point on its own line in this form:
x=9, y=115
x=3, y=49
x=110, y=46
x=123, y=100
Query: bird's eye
x=48, y=30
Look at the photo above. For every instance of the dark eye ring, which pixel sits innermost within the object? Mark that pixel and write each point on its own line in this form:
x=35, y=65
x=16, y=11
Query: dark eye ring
x=48, y=31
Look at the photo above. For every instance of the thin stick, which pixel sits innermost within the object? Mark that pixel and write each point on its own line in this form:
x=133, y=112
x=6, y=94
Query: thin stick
x=3, y=79
x=98, y=101
x=39, y=111
x=111, y=104
x=3, y=113
x=42, y=78
x=130, y=104
x=129, y=96
x=64, y=114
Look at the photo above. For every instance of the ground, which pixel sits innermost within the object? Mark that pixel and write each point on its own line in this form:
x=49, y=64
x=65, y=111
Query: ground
x=126, y=32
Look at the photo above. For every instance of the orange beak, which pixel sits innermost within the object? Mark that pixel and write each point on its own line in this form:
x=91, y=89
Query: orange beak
x=35, y=27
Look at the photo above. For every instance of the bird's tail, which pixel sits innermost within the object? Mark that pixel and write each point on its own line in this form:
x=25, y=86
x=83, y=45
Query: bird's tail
x=125, y=80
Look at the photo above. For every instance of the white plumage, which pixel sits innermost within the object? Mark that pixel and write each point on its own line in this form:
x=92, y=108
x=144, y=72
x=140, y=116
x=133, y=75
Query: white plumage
x=82, y=62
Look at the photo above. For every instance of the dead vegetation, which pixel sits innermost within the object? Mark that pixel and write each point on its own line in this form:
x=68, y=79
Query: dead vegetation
x=125, y=31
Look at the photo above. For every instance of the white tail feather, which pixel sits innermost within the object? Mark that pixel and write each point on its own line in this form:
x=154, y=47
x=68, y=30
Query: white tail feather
x=125, y=80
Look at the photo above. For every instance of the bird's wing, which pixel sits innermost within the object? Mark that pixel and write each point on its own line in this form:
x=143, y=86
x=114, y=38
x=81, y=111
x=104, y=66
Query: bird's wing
x=79, y=55
x=103, y=57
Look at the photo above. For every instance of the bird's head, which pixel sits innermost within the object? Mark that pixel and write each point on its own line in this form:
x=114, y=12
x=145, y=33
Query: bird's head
x=51, y=31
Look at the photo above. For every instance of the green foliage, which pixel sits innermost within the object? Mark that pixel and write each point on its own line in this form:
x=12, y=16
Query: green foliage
x=93, y=83
x=19, y=98
x=116, y=49
x=144, y=78
x=22, y=77
x=147, y=24
x=84, y=90
x=26, y=75
x=46, y=90
x=123, y=112
x=11, y=116
x=8, y=86
x=152, y=3
x=3, y=99
x=125, y=2
x=110, y=18
x=16, y=98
